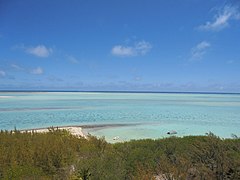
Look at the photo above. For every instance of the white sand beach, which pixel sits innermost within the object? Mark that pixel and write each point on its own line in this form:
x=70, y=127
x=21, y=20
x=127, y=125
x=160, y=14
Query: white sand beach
x=74, y=130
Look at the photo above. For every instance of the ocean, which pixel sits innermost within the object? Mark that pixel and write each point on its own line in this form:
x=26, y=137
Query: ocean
x=126, y=115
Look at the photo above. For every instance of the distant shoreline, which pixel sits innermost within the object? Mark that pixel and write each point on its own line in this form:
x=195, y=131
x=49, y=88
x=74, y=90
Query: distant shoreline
x=154, y=92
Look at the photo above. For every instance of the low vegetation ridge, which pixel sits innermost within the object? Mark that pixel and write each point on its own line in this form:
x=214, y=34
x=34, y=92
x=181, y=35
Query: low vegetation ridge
x=58, y=154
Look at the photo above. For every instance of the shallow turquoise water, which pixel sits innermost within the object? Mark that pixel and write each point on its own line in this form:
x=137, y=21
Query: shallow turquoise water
x=157, y=113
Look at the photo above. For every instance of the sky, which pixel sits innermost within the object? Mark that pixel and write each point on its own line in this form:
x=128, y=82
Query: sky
x=120, y=45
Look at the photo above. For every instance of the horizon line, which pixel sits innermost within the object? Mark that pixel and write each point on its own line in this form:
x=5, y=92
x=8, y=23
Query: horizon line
x=123, y=91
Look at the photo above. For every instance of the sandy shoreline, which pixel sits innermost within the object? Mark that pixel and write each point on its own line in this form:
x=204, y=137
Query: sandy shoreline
x=74, y=130
x=77, y=130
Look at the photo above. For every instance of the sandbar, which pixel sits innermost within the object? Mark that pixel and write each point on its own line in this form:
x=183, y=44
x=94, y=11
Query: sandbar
x=5, y=97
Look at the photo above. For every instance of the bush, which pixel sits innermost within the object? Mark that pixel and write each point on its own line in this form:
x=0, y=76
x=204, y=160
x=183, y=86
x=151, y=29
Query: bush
x=59, y=155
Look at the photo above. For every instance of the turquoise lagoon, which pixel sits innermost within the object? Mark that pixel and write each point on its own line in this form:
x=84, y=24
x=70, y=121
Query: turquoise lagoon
x=135, y=115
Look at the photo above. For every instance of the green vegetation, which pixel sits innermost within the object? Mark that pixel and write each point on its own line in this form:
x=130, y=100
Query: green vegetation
x=59, y=155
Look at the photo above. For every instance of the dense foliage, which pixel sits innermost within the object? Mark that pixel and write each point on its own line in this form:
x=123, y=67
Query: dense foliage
x=59, y=155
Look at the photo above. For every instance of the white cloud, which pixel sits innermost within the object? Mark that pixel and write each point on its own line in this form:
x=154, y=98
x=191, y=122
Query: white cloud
x=72, y=59
x=40, y=51
x=123, y=51
x=139, y=48
x=142, y=47
x=37, y=71
x=137, y=78
x=221, y=20
x=199, y=50
x=17, y=67
x=2, y=73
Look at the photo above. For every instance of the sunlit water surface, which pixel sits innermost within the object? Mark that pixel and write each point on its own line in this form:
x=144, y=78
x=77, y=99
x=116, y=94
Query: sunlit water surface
x=149, y=115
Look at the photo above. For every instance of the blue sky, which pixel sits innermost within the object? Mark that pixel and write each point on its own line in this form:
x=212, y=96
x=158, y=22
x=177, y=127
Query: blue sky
x=138, y=45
